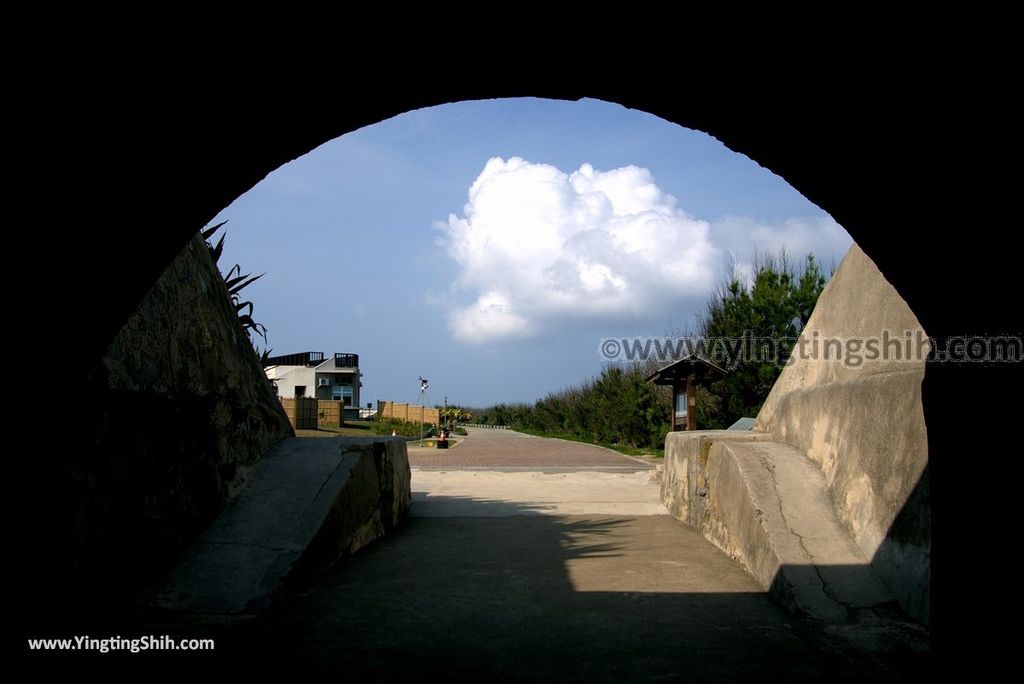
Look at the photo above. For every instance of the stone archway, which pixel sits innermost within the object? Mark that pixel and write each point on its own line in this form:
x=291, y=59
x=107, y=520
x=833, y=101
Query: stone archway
x=142, y=179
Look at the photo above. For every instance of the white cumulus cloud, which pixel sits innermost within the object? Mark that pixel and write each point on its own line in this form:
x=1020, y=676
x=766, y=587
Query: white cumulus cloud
x=740, y=236
x=537, y=246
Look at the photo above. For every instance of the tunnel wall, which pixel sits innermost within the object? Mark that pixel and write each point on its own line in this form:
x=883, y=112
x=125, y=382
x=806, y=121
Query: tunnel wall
x=185, y=411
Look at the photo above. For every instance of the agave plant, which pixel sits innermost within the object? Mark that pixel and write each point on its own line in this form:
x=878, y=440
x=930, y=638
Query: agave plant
x=235, y=281
x=215, y=250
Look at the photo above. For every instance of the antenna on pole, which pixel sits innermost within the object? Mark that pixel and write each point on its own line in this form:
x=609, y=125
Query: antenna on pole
x=423, y=393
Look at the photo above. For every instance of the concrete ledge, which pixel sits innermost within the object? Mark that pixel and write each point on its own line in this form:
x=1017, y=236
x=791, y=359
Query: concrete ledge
x=684, y=482
x=309, y=503
x=767, y=506
x=867, y=436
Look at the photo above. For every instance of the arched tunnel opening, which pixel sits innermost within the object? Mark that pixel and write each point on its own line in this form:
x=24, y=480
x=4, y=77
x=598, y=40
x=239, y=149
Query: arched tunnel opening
x=872, y=173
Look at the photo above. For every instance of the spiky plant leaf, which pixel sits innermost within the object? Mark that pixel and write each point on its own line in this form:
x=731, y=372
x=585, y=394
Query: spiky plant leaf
x=208, y=233
x=238, y=284
x=217, y=249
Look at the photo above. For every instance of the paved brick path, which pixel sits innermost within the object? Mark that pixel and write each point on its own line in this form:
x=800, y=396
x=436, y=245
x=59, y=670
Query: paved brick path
x=507, y=449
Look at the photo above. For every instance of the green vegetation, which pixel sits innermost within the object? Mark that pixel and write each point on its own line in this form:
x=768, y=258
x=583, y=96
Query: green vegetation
x=620, y=409
x=765, y=318
x=235, y=281
x=368, y=428
x=385, y=426
x=453, y=415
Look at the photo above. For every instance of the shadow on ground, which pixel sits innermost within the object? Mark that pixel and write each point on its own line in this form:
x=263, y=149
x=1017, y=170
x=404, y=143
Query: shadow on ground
x=535, y=598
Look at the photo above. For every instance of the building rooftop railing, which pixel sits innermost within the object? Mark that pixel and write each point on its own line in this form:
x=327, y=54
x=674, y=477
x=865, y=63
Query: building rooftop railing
x=309, y=358
x=345, y=360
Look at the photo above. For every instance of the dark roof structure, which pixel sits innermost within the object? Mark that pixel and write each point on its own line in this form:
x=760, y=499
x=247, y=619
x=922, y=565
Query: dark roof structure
x=677, y=371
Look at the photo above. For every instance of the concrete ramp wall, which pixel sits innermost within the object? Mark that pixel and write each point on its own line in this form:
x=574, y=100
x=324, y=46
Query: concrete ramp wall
x=309, y=503
x=862, y=422
x=766, y=505
x=826, y=501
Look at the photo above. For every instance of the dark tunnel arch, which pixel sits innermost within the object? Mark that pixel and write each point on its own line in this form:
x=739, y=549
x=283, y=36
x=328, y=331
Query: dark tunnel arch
x=865, y=154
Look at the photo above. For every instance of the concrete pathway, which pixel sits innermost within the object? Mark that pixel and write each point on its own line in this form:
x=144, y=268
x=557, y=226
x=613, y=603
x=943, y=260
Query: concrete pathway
x=539, y=598
x=512, y=572
x=475, y=493
x=598, y=481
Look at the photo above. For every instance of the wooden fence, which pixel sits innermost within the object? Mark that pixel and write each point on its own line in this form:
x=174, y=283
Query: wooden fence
x=330, y=413
x=307, y=413
x=301, y=412
x=410, y=413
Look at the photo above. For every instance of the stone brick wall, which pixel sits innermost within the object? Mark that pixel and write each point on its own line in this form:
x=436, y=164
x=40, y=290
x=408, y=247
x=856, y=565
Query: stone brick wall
x=187, y=410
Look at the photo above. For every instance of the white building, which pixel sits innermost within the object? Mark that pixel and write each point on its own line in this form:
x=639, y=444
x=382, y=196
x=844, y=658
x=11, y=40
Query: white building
x=310, y=374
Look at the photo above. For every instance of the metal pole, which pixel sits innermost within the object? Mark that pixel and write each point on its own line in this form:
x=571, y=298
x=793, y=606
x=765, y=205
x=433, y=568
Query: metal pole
x=423, y=393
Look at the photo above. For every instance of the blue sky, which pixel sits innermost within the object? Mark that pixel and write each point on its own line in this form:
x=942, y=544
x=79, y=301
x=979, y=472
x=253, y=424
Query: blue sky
x=489, y=245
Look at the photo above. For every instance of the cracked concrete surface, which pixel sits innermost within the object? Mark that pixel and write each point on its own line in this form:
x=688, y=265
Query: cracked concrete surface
x=809, y=514
x=768, y=507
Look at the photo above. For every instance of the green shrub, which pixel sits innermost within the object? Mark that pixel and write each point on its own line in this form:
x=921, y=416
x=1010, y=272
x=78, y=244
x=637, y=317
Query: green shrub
x=385, y=426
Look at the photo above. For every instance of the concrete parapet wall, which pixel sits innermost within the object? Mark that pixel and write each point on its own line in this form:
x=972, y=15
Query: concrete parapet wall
x=859, y=455
x=374, y=499
x=311, y=503
x=863, y=425
x=766, y=505
x=684, y=482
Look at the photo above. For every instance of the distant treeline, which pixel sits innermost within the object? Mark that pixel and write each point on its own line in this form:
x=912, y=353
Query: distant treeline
x=620, y=407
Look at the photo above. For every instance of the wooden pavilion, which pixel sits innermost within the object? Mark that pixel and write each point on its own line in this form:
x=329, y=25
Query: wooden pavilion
x=684, y=376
